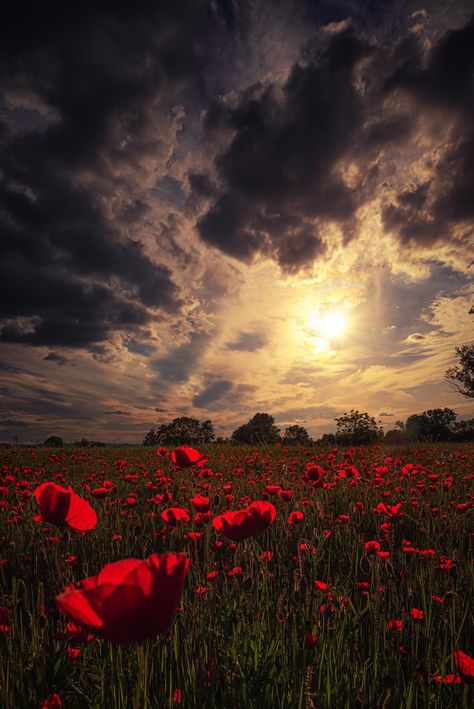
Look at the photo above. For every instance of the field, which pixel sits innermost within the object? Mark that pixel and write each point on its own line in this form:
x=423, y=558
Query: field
x=306, y=613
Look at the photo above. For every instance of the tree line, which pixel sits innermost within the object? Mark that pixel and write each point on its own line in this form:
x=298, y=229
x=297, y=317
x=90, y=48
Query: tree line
x=353, y=428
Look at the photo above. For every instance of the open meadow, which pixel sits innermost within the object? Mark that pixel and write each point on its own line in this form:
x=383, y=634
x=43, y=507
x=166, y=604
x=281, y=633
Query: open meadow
x=348, y=584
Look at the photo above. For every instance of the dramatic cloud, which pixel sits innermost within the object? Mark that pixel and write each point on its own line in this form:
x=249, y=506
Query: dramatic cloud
x=226, y=207
x=278, y=172
x=212, y=393
x=248, y=342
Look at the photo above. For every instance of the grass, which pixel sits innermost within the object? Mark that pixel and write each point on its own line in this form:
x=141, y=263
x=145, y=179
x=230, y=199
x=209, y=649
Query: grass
x=242, y=642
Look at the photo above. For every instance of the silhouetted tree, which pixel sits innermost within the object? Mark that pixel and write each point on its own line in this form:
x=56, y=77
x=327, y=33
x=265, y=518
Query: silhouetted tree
x=54, y=442
x=296, y=435
x=185, y=431
x=260, y=429
x=431, y=425
x=440, y=423
x=357, y=429
x=416, y=427
x=463, y=430
x=395, y=436
x=461, y=375
x=151, y=438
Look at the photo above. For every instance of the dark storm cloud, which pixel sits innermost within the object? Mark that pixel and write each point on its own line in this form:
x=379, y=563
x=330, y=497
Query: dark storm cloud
x=181, y=362
x=14, y=423
x=247, y=342
x=92, y=73
x=212, y=393
x=137, y=347
x=277, y=173
x=431, y=211
x=57, y=358
x=117, y=413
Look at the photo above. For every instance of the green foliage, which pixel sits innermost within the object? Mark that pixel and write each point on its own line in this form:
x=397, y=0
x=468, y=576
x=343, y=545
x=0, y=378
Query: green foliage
x=461, y=375
x=54, y=442
x=181, y=431
x=241, y=643
x=431, y=425
x=151, y=438
x=357, y=429
x=296, y=436
x=259, y=430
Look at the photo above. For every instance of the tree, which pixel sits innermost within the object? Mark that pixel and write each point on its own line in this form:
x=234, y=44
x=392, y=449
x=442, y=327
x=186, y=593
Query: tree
x=463, y=430
x=395, y=436
x=461, y=375
x=357, y=429
x=295, y=436
x=260, y=429
x=431, y=425
x=440, y=423
x=417, y=427
x=184, y=431
x=54, y=442
x=151, y=438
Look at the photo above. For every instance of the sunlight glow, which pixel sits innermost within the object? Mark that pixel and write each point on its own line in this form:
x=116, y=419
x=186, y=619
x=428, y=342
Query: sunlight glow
x=331, y=324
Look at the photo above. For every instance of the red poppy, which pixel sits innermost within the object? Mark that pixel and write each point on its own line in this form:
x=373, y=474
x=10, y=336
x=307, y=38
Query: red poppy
x=100, y=492
x=350, y=471
x=394, y=624
x=321, y=586
x=162, y=451
x=175, y=515
x=314, y=472
x=311, y=640
x=464, y=665
x=200, y=503
x=52, y=702
x=448, y=679
x=372, y=547
x=64, y=508
x=389, y=510
x=129, y=600
x=186, y=457
x=295, y=517
x=417, y=614
x=241, y=524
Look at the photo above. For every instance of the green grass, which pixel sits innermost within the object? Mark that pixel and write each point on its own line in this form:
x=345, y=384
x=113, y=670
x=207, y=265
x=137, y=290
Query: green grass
x=242, y=643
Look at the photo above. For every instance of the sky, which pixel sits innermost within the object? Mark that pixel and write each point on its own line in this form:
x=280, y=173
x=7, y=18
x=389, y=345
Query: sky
x=215, y=208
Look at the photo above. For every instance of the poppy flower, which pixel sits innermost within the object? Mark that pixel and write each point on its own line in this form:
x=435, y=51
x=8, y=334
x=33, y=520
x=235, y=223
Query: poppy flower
x=372, y=547
x=295, y=517
x=100, y=492
x=389, y=510
x=394, y=624
x=129, y=600
x=321, y=586
x=350, y=471
x=465, y=666
x=311, y=640
x=448, y=679
x=52, y=702
x=314, y=472
x=175, y=515
x=186, y=457
x=200, y=503
x=417, y=614
x=241, y=524
x=64, y=508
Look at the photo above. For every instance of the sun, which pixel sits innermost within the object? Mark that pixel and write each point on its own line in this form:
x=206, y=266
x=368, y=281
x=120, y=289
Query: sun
x=333, y=323
x=330, y=324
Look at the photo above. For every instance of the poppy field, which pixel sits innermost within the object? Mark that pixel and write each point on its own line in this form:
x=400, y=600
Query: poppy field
x=237, y=577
